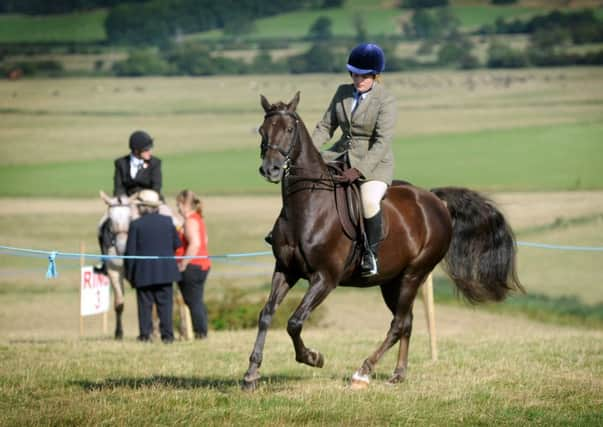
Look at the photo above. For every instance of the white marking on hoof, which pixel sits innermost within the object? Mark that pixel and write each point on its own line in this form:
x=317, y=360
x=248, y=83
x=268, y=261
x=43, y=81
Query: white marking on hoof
x=360, y=382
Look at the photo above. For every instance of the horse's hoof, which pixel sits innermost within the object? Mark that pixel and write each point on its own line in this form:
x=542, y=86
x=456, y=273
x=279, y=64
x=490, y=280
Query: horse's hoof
x=359, y=381
x=317, y=359
x=119, y=335
x=312, y=358
x=250, y=383
x=397, y=378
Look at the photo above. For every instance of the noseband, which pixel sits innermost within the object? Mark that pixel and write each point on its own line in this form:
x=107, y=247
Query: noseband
x=285, y=153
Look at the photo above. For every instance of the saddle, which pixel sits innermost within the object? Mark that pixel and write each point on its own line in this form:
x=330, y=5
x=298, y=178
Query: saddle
x=349, y=208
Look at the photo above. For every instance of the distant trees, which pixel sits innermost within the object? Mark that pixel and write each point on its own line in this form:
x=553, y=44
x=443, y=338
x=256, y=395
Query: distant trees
x=455, y=51
x=46, y=7
x=320, y=58
x=503, y=56
x=143, y=62
x=321, y=29
x=155, y=21
x=426, y=24
x=581, y=26
x=422, y=4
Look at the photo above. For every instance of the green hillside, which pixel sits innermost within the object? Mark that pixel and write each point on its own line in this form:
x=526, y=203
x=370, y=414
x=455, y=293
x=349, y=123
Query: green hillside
x=379, y=18
x=75, y=27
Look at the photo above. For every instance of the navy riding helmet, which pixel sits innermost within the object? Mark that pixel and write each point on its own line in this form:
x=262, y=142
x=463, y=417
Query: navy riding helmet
x=366, y=58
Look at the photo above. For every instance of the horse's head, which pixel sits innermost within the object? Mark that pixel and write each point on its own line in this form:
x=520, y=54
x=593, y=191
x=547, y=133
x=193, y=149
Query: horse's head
x=279, y=137
x=120, y=214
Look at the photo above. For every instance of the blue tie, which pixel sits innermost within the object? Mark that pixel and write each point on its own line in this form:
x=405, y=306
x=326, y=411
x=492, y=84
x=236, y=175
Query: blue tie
x=357, y=99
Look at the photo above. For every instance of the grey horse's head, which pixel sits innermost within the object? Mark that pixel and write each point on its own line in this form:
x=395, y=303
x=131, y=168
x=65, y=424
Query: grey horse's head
x=121, y=212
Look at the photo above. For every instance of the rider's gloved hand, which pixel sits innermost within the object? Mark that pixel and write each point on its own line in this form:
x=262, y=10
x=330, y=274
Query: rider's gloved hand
x=351, y=174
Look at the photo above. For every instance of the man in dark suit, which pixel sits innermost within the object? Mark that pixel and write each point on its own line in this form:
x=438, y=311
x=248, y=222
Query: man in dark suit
x=155, y=235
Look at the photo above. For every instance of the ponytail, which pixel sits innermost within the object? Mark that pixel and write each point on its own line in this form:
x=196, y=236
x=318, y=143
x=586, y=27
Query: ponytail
x=197, y=205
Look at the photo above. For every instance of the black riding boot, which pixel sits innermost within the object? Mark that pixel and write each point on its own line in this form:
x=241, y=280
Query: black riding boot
x=368, y=265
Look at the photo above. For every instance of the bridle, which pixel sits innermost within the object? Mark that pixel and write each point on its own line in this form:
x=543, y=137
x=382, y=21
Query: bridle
x=265, y=145
x=328, y=182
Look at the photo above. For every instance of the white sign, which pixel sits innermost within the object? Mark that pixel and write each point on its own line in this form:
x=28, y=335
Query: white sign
x=94, y=291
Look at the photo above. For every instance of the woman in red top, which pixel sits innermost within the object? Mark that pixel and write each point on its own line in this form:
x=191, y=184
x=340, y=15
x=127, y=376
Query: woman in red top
x=194, y=270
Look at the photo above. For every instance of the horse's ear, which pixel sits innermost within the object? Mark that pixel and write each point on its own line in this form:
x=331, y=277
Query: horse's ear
x=104, y=197
x=265, y=104
x=292, y=106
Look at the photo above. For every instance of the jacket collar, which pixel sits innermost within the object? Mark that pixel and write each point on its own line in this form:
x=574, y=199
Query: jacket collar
x=349, y=100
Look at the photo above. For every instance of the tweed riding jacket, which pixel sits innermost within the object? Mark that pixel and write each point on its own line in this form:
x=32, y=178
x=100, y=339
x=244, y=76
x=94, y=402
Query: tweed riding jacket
x=366, y=133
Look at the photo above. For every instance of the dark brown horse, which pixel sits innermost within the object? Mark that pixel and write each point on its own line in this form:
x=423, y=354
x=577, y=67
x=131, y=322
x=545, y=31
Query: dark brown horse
x=424, y=227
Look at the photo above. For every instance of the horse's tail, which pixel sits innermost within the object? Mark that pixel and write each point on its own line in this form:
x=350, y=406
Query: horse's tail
x=481, y=256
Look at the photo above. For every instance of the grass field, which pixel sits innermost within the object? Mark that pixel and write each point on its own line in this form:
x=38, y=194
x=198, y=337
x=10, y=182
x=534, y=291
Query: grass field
x=76, y=27
x=526, y=130
x=530, y=130
x=493, y=370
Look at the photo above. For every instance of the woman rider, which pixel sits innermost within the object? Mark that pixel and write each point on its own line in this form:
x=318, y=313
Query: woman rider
x=366, y=114
x=136, y=171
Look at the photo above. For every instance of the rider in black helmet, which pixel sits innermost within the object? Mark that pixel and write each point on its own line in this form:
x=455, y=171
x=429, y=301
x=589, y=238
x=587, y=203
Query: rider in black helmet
x=134, y=172
x=138, y=170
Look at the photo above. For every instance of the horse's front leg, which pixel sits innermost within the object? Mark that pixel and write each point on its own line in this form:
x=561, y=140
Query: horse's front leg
x=318, y=291
x=280, y=286
x=116, y=277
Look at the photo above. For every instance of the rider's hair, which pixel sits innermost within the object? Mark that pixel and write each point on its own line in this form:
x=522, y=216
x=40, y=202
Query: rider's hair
x=190, y=199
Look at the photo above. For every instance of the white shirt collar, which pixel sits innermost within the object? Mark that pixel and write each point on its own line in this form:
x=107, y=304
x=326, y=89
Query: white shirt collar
x=135, y=165
x=135, y=161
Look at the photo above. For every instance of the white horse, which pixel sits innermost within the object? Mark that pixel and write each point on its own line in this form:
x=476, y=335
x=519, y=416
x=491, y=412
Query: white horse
x=120, y=212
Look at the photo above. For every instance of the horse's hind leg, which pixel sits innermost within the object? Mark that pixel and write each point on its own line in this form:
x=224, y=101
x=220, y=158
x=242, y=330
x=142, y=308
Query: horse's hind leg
x=400, y=328
x=391, y=296
x=280, y=286
x=316, y=294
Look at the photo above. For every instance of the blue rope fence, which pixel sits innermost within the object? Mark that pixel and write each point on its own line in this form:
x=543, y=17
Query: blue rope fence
x=53, y=255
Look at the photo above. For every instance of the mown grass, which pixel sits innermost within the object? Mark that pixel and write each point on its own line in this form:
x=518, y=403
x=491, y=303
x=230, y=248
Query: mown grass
x=478, y=15
x=562, y=310
x=524, y=376
x=75, y=27
x=64, y=120
x=495, y=367
x=563, y=157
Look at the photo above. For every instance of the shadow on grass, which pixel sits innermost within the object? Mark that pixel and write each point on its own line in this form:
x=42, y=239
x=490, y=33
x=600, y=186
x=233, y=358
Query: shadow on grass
x=186, y=383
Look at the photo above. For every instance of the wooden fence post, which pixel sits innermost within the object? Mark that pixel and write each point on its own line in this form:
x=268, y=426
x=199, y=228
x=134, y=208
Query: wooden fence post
x=427, y=294
x=82, y=261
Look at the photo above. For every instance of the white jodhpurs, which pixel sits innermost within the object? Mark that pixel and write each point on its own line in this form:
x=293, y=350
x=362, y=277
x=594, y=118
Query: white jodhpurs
x=372, y=193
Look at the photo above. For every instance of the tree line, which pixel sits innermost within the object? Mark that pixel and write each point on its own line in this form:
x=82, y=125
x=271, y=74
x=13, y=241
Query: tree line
x=49, y=7
x=158, y=21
